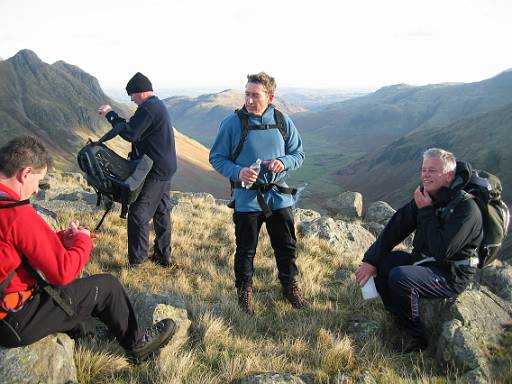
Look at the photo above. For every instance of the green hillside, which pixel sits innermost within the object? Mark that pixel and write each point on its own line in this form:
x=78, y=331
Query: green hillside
x=53, y=102
x=392, y=173
x=200, y=117
x=356, y=128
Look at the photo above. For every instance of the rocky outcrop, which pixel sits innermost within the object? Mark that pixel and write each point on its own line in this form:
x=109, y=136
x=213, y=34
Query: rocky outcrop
x=463, y=328
x=498, y=277
x=162, y=307
x=379, y=212
x=348, y=236
x=304, y=216
x=274, y=378
x=49, y=361
x=376, y=218
x=180, y=197
x=347, y=205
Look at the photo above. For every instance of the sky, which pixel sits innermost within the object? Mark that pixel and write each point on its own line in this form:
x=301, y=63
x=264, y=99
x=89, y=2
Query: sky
x=338, y=44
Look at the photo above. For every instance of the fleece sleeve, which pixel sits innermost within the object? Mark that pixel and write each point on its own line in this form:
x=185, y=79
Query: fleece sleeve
x=132, y=130
x=294, y=154
x=43, y=248
x=221, y=151
x=401, y=225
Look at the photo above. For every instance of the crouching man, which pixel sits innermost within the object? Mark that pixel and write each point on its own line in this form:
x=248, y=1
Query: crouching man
x=31, y=307
x=443, y=260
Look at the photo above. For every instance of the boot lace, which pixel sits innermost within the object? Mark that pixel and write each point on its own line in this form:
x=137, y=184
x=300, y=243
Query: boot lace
x=153, y=331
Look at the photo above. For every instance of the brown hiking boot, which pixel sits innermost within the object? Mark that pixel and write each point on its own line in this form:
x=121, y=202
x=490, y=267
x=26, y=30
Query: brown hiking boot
x=291, y=292
x=245, y=299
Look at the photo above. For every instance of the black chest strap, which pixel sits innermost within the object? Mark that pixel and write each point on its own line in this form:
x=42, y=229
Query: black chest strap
x=50, y=291
x=261, y=189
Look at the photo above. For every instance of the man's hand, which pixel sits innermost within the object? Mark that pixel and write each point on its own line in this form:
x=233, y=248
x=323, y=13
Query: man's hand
x=422, y=198
x=274, y=165
x=104, y=109
x=364, y=272
x=248, y=175
x=73, y=230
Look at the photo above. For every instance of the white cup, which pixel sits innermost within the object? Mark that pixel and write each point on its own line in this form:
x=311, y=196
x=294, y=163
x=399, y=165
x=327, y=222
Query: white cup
x=369, y=290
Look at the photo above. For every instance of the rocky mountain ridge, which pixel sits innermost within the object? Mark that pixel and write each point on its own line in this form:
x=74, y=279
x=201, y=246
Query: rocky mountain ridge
x=58, y=104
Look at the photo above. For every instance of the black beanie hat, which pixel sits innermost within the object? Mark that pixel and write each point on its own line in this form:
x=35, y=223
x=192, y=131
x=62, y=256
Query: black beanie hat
x=138, y=83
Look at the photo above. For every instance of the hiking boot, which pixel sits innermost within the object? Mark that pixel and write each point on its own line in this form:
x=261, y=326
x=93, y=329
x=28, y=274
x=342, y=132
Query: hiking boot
x=155, y=337
x=409, y=344
x=162, y=262
x=245, y=299
x=291, y=292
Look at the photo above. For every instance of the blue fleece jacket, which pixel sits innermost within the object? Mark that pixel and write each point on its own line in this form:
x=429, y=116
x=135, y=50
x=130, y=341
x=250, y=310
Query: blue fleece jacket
x=260, y=144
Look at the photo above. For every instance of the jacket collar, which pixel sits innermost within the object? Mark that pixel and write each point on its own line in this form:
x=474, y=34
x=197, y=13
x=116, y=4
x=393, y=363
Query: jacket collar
x=463, y=173
x=266, y=118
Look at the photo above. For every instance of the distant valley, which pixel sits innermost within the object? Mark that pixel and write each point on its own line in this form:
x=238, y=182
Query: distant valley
x=371, y=143
x=346, y=140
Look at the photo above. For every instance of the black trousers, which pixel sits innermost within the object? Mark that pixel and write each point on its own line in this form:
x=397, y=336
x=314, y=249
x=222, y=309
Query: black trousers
x=154, y=203
x=100, y=296
x=281, y=229
x=401, y=285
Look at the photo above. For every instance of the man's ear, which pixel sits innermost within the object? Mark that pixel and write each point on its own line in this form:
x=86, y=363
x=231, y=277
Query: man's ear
x=451, y=176
x=23, y=173
x=270, y=98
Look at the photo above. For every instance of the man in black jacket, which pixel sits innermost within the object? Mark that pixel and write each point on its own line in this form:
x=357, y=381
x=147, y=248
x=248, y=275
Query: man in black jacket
x=443, y=260
x=150, y=132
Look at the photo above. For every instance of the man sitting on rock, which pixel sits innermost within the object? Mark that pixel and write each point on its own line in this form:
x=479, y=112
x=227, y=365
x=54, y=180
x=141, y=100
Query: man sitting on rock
x=443, y=260
x=32, y=307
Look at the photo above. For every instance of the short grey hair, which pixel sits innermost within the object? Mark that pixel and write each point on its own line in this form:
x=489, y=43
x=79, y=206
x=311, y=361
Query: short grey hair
x=446, y=157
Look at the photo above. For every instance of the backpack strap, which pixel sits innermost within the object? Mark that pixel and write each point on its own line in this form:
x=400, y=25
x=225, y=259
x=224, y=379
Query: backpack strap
x=246, y=127
x=281, y=124
x=445, y=213
x=242, y=115
x=44, y=285
x=41, y=283
x=15, y=203
x=109, y=206
x=5, y=283
x=47, y=287
x=262, y=188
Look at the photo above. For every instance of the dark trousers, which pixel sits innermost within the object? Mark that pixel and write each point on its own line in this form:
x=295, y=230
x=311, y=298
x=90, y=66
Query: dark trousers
x=99, y=296
x=154, y=203
x=401, y=285
x=281, y=229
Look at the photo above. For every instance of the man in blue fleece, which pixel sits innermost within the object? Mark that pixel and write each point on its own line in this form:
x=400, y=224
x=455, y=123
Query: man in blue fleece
x=150, y=132
x=259, y=131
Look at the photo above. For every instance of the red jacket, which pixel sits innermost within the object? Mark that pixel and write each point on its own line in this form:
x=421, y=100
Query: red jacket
x=24, y=232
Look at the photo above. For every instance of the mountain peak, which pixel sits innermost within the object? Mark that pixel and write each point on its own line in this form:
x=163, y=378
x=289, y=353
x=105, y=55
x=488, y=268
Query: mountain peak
x=26, y=56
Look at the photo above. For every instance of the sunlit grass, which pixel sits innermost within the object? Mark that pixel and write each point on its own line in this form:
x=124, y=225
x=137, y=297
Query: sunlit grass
x=225, y=344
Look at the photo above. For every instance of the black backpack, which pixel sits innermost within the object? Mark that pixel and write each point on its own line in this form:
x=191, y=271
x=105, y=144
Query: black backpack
x=118, y=179
x=485, y=188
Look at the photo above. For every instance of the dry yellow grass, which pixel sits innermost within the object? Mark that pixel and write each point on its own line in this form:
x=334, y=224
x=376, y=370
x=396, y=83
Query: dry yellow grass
x=225, y=344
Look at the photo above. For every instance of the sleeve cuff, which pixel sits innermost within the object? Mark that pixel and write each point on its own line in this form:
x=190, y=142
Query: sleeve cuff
x=111, y=117
x=426, y=212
